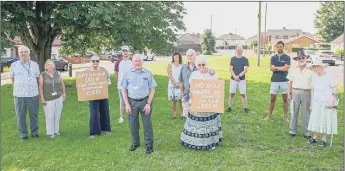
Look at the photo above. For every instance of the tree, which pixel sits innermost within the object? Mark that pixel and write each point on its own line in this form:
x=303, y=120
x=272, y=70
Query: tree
x=83, y=25
x=208, y=42
x=254, y=43
x=329, y=20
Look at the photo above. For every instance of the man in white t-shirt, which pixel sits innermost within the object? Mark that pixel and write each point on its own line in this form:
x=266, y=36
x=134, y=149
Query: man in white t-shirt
x=122, y=66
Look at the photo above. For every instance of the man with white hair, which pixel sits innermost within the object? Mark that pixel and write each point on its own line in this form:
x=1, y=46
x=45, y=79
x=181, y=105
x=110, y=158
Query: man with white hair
x=185, y=73
x=122, y=66
x=238, y=68
x=25, y=75
x=138, y=88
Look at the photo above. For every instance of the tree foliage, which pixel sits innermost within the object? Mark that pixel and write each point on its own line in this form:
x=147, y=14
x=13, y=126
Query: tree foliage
x=329, y=20
x=97, y=25
x=208, y=42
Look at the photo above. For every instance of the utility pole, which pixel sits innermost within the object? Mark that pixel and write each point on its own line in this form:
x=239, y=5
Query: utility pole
x=265, y=30
x=211, y=23
x=259, y=35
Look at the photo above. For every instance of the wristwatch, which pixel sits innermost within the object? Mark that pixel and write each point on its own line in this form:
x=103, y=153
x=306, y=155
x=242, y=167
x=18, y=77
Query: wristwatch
x=148, y=103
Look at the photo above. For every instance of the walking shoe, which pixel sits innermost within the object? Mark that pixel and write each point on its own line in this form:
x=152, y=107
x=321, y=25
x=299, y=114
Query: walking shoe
x=133, y=147
x=246, y=110
x=292, y=135
x=322, y=144
x=307, y=137
x=106, y=132
x=183, y=118
x=23, y=138
x=174, y=117
x=92, y=136
x=267, y=118
x=229, y=109
x=149, y=150
x=312, y=140
x=121, y=120
x=51, y=136
x=213, y=148
x=35, y=136
x=57, y=133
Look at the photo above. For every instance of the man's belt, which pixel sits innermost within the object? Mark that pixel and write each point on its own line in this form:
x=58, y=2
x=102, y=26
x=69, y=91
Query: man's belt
x=139, y=99
x=301, y=89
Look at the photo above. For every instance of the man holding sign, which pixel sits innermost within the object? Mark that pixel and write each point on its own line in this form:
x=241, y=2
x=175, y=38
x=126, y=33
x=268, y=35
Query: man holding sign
x=138, y=89
x=202, y=130
x=93, y=87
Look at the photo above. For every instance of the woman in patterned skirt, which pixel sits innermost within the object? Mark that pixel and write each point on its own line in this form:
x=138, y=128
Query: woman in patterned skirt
x=323, y=116
x=202, y=130
x=174, y=91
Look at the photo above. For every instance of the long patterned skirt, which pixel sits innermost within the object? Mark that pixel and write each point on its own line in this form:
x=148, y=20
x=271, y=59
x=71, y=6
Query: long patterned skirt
x=202, y=131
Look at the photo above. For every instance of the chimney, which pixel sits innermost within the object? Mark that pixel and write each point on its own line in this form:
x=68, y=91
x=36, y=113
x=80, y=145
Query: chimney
x=284, y=28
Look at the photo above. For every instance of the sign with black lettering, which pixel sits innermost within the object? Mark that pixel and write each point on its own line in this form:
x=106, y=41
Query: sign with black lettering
x=92, y=85
x=207, y=95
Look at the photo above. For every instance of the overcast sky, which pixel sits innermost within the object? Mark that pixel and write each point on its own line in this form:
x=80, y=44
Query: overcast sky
x=242, y=16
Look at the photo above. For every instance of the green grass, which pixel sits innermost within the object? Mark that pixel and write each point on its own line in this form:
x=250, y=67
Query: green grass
x=250, y=143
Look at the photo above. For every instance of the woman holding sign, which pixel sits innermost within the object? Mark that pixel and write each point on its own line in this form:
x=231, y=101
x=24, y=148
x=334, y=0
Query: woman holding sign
x=99, y=109
x=202, y=130
x=53, y=94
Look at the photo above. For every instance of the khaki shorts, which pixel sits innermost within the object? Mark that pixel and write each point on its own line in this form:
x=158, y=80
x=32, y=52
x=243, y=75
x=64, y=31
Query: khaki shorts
x=279, y=86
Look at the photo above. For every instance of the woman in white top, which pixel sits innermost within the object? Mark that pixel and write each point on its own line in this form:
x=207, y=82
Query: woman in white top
x=174, y=92
x=323, y=116
x=202, y=130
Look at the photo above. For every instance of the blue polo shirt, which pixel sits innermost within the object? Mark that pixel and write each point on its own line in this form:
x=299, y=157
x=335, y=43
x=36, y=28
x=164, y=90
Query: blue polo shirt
x=279, y=61
x=138, y=84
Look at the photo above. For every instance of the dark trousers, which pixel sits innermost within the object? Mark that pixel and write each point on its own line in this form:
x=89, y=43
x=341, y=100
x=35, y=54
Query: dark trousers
x=21, y=104
x=133, y=120
x=99, y=116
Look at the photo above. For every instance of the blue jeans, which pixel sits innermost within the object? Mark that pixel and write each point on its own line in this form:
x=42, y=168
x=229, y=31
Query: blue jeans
x=99, y=116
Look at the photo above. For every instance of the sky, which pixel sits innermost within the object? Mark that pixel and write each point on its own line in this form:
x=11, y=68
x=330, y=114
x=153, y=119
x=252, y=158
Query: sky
x=242, y=17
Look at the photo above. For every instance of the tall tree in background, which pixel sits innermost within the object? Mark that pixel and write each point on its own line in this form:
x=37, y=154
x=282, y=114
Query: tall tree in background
x=84, y=25
x=208, y=42
x=329, y=20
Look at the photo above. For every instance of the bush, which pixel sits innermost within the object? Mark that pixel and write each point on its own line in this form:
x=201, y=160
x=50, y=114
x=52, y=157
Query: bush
x=318, y=49
x=296, y=49
x=339, y=51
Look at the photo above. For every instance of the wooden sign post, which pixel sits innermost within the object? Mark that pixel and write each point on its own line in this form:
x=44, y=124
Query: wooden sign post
x=207, y=95
x=92, y=85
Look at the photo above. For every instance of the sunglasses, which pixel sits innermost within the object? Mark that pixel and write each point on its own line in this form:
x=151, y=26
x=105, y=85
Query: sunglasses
x=95, y=61
x=201, y=65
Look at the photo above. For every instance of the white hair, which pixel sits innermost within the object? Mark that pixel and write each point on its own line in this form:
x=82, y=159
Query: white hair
x=94, y=57
x=239, y=47
x=47, y=62
x=191, y=51
x=137, y=56
x=23, y=48
x=201, y=60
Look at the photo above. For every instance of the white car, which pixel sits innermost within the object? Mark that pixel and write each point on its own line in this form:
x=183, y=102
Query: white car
x=309, y=53
x=326, y=56
x=148, y=56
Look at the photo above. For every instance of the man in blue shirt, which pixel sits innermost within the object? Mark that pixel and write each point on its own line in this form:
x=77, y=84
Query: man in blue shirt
x=280, y=64
x=138, y=89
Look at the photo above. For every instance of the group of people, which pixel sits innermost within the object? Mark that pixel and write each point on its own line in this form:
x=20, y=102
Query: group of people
x=316, y=92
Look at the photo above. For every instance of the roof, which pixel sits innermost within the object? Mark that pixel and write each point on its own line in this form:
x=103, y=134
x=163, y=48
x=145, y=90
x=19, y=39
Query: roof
x=295, y=38
x=339, y=40
x=188, y=38
x=284, y=32
x=231, y=36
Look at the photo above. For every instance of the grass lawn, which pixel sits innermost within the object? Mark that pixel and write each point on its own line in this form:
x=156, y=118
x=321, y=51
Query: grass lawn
x=250, y=143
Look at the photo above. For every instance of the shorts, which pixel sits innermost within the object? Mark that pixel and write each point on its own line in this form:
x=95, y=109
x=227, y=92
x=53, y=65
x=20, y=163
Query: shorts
x=279, y=86
x=240, y=84
x=122, y=102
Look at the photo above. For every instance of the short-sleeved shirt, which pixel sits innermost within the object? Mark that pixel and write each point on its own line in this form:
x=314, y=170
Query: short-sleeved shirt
x=138, y=84
x=279, y=61
x=322, y=86
x=238, y=65
x=100, y=68
x=184, y=79
x=198, y=75
x=300, y=80
x=25, y=78
x=124, y=66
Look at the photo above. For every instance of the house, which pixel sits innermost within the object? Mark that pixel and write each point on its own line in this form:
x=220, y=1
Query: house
x=230, y=41
x=188, y=41
x=338, y=43
x=302, y=41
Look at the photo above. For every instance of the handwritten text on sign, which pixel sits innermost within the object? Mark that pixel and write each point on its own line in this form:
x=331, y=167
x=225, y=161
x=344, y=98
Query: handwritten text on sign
x=92, y=85
x=207, y=95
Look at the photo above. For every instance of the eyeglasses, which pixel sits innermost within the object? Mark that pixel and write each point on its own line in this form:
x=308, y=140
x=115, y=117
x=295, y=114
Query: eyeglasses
x=23, y=52
x=124, y=50
x=201, y=65
x=95, y=61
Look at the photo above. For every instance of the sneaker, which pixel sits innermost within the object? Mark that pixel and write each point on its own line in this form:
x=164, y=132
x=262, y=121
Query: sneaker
x=229, y=109
x=51, y=136
x=322, y=144
x=267, y=118
x=183, y=118
x=174, y=117
x=213, y=148
x=121, y=120
x=107, y=133
x=312, y=140
x=292, y=135
x=246, y=110
x=92, y=136
x=57, y=133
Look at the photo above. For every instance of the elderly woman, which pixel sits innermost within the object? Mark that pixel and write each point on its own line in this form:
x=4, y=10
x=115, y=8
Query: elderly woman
x=24, y=75
x=174, y=91
x=323, y=116
x=99, y=109
x=202, y=130
x=53, y=94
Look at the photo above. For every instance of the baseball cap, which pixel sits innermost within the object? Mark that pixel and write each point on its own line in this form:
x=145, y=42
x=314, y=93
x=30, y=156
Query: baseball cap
x=125, y=48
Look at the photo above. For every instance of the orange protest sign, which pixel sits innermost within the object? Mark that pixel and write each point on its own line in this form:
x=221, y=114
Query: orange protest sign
x=207, y=95
x=92, y=85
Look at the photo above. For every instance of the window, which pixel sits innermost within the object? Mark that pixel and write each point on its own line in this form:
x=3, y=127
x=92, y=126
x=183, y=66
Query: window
x=277, y=37
x=286, y=37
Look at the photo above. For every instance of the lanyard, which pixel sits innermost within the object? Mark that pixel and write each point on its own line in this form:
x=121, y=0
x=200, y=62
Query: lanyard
x=25, y=67
x=53, y=82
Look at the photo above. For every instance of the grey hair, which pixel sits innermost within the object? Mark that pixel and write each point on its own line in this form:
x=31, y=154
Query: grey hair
x=23, y=48
x=191, y=51
x=240, y=47
x=95, y=56
x=47, y=62
x=137, y=56
x=201, y=60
